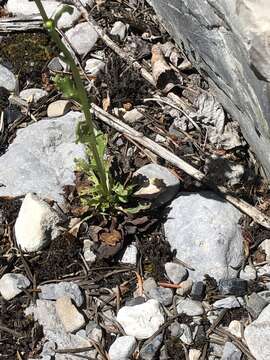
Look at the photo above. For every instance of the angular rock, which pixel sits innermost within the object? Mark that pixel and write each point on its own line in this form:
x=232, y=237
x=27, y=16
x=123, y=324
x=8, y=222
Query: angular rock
x=162, y=295
x=198, y=291
x=185, y=288
x=141, y=321
x=176, y=272
x=133, y=115
x=68, y=314
x=158, y=184
x=149, y=350
x=265, y=295
x=194, y=354
x=189, y=307
x=231, y=352
x=130, y=255
x=248, y=273
x=257, y=335
x=265, y=245
x=235, y=328
x=36, y=224
x=58, y=108
x=7, y=79
x=148, y=285
x=205, y=232
x=229, y=302
x=82, y=37
x=45, y=313
x=119, y=29
x=33, y=94
x=233, y=52
x=122, y=348
x=88, y=253
x=235, y=286
x=94, y=66
x=255, y=304
x=186, y=336
x=41, y=159
x=12, y=284
x=57, y=290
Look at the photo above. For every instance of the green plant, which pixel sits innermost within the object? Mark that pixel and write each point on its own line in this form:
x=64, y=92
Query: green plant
x=103, y=192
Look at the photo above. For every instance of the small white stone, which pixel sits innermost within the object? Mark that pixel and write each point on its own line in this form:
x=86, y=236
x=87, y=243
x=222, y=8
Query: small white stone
x=194, y=354
x=88, y=253
x=189, y=307
x=58, y=108
x=235, y=327
x=148, y=285
x=130, y=255
x=26, y=7
x=176, y=272
x=248, y=273
x=141, y=321
x=12, y=284
x=229, y=302
x=7, y=79
x=186, y=337
x=133, y=115
x=36, y=224
x=265, y=245
x=122, y=348
x=94, y=66
x=33, y=94
x=67, y=20
x=82, y=37
x=263, y=270
x=119, y=29
x=68, y=314
x=185, y=288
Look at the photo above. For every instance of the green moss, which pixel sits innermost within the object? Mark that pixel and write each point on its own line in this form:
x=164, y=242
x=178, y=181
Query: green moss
x=27, y=52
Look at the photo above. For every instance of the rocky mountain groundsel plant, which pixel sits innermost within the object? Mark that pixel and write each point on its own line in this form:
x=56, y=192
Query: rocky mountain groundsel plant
x=103, y=193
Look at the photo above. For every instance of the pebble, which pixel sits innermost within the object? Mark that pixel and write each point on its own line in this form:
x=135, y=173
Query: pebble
x=255, y=304
x=130, y=255
x=263, y=270
x=33, y=94
x=82, y=37
x=67, y=20
x=133, y=115
x=204, y=231
x=185, y=288
x=189, y=307
x=249, y=273
x=257, y=335
x=163, y=295
x=55, y=64
x=12, y=284
x=148, y=285
x=36, y=224
x=58, y=108
x=231, y=352
x=94, y=66
x=41, y=158
x=197, y=291
x=229, y=302
x=176, y=272
x=265, y=295
x=68, y=314
x=141, y=321
x=186, y=336
x=235, y=328
x=57, y=290
x=265, y=245
x=122, y=348
x=235, y=286
x=175, y=329
x=88, y=253
x=119, y=29
x=149, y=350
x=7, y=79
x=194, y=354
x=157, y=183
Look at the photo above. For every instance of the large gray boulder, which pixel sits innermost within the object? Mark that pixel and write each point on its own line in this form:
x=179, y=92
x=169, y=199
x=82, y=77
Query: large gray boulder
x=41, y=158
x=204, y=231
x=228, y=42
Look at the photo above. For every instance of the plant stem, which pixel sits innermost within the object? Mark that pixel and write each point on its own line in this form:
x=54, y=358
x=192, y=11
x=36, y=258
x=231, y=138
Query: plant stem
x=82, y=96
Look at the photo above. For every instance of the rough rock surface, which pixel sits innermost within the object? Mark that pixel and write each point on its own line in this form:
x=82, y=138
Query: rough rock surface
x=12, y=284
x=64, y=288
x=205, y=232
x=7, y=78
x=122, y=348
x=257, y=335
x=229, y=42
x=41, y=158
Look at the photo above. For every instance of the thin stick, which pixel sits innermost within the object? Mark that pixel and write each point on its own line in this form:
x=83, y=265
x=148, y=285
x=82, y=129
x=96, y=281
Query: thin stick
x=120, y=126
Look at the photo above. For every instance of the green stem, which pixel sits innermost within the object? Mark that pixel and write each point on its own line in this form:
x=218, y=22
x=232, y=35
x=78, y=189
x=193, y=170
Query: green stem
x=83, y=98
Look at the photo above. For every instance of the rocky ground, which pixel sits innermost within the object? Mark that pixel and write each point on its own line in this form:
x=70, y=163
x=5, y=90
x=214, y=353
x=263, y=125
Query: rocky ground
x=187, y=278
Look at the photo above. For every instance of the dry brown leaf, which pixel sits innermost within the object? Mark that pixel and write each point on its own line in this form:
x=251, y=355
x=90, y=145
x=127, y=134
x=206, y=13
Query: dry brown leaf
x=111, y=238
x=106, y=102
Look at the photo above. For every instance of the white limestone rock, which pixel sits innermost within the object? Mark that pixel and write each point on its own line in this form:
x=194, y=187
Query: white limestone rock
x=12, y=284
x=36, y=224
x=33, y=94
x=7, y=79
x=122, y=348
x=71, y=318
x=83, y=37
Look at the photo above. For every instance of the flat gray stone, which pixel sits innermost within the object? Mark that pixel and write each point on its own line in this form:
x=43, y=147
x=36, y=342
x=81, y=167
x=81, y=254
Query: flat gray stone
x=229, y=302
x=204, y=230
x=57, y=290
x=231, y=352
x=149, y=350
x=7, y=78
x=41, y=158
x=176, y=272
x=257, y=335
x=189, y=307
x=162, y=295
x=255, y=304
x=83, y=37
